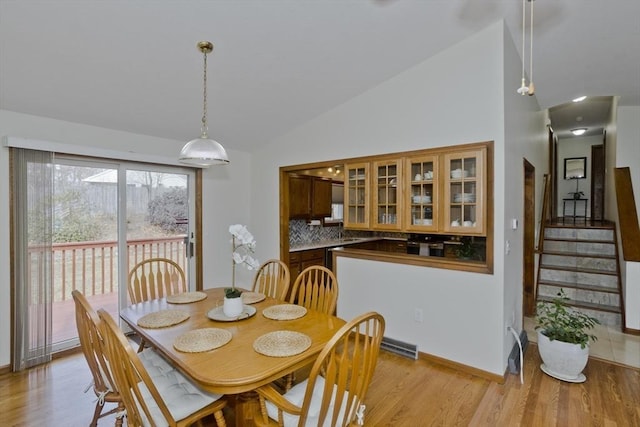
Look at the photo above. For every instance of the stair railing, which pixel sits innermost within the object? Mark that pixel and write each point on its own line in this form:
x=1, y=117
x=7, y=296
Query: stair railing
x=627, y=215
x=546, y=203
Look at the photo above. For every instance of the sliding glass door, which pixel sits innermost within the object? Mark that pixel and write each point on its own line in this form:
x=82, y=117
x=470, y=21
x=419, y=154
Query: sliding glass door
x=107, y=216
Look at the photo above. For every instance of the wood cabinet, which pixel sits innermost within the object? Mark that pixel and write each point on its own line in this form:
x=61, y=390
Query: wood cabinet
x=443, y=192
x=422, y=198
x=300, y=260
x=387, y=195
x=464, y=192
x=309, y=197
x=356, y=196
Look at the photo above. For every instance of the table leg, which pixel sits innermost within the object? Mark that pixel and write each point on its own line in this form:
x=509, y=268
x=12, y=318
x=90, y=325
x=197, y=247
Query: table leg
x=247, y=409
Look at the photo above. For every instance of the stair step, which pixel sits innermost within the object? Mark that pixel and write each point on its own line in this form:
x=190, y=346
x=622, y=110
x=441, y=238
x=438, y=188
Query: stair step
x=560, y=239
x=579, y=254
x=578, y=269
x=584, y=304
x=582, y=286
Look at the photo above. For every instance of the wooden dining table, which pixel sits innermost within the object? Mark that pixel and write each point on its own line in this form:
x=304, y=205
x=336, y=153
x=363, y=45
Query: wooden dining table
x=235, y=368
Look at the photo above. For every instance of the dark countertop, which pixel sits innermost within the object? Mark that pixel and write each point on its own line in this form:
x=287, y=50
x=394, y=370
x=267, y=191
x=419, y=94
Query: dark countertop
x=332, y=243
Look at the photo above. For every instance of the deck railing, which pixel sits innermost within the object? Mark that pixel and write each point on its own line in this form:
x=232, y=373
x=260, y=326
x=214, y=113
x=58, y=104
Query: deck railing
x=92, y=267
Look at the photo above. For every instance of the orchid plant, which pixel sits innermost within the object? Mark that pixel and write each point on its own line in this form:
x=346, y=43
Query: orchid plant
x=243, y=245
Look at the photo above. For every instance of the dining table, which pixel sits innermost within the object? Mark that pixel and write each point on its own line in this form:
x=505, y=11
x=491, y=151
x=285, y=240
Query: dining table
x=236, y=368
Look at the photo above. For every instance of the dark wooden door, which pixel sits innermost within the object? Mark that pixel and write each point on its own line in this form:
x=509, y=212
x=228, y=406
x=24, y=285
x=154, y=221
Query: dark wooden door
x=528, y=262
x=597, y=182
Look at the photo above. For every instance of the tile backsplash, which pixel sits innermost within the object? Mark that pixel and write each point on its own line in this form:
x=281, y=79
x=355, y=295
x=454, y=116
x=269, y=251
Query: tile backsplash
x=301, y=233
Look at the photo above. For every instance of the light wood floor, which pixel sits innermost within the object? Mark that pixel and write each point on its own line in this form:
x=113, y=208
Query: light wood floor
x=403, y=393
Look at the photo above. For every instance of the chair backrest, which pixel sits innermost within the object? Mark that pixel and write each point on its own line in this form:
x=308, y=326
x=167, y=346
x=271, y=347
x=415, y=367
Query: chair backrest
x=273, y=279
x=130, y=375
x=92, y=345
x=155, y=278
x=346, y=366
x=316, y=288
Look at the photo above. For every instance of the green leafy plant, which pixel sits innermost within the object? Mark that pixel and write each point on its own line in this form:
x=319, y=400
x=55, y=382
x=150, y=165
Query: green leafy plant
x=466, y=249
x=557, y=321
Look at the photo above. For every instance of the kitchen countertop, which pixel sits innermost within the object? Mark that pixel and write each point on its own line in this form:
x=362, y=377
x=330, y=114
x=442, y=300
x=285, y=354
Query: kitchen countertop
x=332, y=243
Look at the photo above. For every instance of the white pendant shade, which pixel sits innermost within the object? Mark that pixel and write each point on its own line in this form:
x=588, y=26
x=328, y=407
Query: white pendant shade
x=203, y=152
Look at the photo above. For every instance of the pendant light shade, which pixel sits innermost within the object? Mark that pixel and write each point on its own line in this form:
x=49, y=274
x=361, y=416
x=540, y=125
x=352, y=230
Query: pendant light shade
x=204, y=151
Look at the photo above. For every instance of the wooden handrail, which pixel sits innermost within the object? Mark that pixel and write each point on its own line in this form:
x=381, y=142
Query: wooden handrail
x=546, y=203
x=627, y=214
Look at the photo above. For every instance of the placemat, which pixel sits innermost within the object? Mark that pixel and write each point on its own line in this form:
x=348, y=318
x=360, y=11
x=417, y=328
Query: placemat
x=162, y=319
x=200, y=340
x=282, y=343
x=284, y=312
x=252, y=297
x=186, y=297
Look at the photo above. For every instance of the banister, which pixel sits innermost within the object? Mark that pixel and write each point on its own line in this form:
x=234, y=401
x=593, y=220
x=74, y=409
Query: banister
x=627, y=214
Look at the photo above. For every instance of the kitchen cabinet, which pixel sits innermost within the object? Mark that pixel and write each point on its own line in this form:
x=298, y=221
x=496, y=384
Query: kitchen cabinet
x=464, y=192
x=309, y=197
x=422, y=198
x=300, y=260
x=387, y=195
x=356, y=196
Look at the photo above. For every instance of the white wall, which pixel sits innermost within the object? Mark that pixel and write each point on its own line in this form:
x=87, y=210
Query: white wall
x=579, y=146
x=225, y=196
x=453, y=98
x=628, y=155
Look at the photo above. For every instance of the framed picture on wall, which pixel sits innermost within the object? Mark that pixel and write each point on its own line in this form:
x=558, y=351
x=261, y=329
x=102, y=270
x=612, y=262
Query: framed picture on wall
x=575, y=168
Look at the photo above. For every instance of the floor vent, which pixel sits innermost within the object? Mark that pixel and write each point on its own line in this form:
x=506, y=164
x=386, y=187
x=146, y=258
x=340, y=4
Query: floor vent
x=514, y=356
x=399, y=347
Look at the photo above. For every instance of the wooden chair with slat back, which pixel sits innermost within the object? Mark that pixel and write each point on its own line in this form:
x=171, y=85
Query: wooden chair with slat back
x=338, y=382
x=316, y=288
x=273, y=279
x=155, y=278
x=91, y=343
x=173, y=400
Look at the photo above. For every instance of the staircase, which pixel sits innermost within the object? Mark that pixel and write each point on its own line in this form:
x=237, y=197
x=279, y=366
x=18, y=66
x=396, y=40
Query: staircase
x=583, y=261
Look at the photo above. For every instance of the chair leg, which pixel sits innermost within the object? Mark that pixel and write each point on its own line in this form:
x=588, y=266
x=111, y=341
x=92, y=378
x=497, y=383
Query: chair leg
x=96, y=413
x=220, y=421
x=142, y=345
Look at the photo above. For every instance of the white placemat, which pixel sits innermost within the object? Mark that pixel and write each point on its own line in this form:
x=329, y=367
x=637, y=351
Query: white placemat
x=250, y=297
x=186, y=297
x=162, y=319
x=200, y=340
x=282, y=343
x=284, y=312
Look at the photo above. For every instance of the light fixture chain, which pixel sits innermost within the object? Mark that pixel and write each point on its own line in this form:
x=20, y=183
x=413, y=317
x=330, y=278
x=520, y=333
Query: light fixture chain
x=205, y=128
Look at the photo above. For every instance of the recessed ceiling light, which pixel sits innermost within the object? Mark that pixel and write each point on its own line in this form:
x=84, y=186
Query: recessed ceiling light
x=578, y=131
x=580, y=99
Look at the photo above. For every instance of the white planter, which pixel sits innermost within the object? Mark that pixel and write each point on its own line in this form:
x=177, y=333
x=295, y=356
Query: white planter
x=232, y=307
x=562, y=360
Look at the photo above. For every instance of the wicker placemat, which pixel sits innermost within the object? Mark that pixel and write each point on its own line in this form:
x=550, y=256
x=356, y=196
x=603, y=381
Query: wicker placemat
x=186, y=297
x=200, y=340
x=282, y=343
x=284, y=312
x=252, y=297
x=162, y=319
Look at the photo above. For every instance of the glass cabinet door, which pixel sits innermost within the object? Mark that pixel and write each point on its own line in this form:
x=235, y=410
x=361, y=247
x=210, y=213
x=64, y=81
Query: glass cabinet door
x=464, y=192
x=356, y=196
x=422, y=201
x=387, y=191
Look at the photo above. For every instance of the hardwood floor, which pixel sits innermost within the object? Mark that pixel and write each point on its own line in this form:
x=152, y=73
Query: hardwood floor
x=403, y=393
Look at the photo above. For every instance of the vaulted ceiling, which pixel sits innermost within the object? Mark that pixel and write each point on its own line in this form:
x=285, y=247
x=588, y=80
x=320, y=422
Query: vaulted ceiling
x=133, y=65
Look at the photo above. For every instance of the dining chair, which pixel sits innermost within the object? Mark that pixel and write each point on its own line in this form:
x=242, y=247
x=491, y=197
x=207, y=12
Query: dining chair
x=334, y=393
x=172, y=400
x=316, y=288
x=91, y=343
x=155, y=278
x=273, y=279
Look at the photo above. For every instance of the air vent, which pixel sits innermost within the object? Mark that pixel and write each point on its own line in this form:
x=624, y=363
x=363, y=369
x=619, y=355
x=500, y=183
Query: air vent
x=399, y=347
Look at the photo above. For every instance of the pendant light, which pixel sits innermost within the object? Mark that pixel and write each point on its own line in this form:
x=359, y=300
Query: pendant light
x=524, y=89
x=204, y=151
x=531, y=86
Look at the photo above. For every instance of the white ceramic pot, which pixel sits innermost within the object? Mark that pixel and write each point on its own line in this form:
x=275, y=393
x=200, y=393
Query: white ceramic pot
x=562, y=360
x=232, y=307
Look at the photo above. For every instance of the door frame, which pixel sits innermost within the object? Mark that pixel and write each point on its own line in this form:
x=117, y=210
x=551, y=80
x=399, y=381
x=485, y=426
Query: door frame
x=529, y=240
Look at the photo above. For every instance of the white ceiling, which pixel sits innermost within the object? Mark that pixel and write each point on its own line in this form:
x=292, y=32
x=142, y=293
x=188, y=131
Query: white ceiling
x=133, y=65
